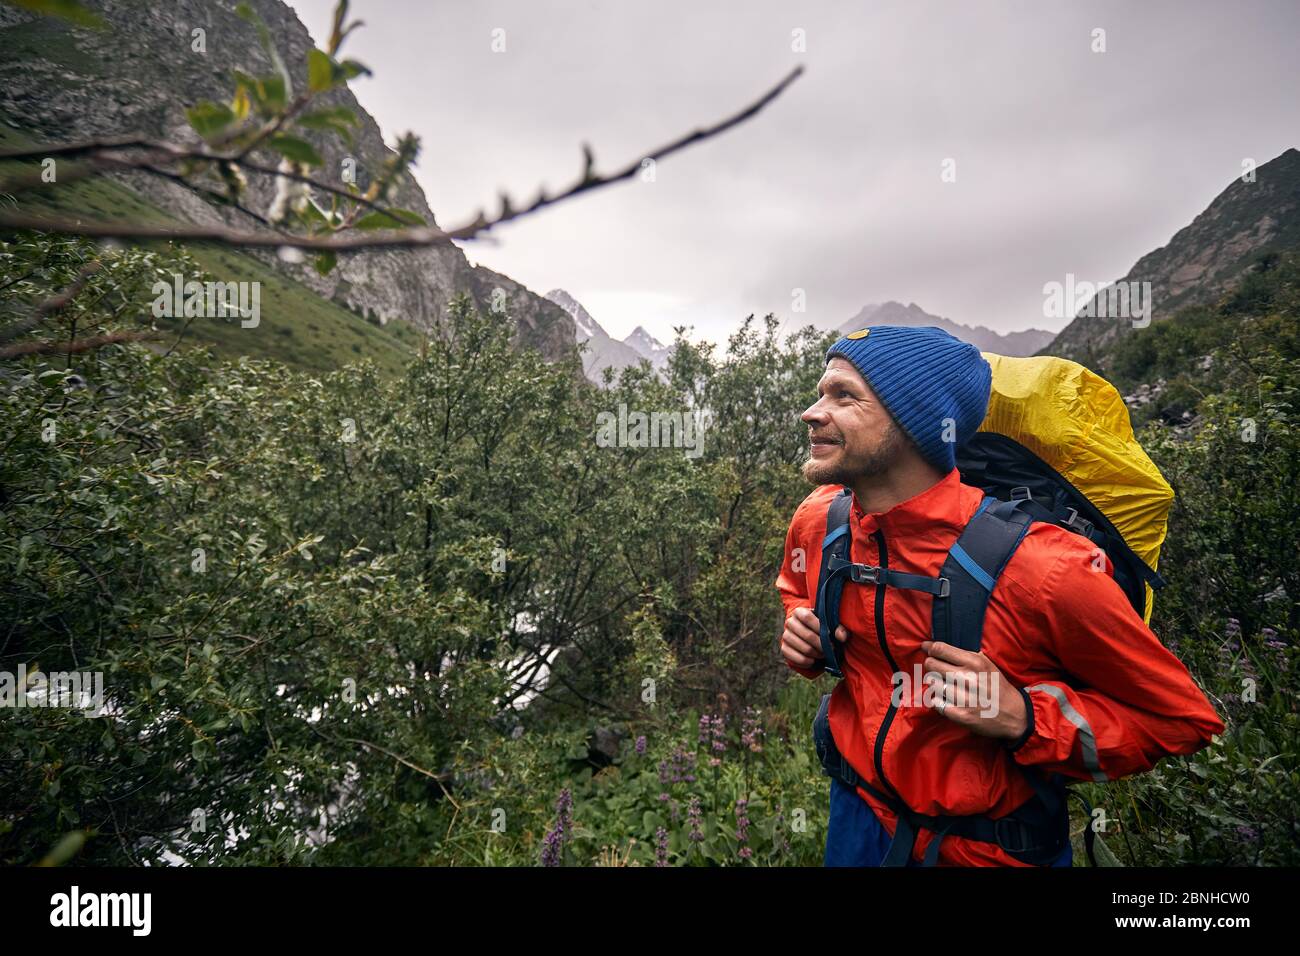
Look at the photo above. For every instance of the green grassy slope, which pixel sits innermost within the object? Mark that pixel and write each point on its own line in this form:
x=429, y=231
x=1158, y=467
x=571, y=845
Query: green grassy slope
x=297, y=327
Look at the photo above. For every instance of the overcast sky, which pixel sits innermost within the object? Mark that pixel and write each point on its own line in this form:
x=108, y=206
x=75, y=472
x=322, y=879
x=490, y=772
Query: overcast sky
x=1066, y=160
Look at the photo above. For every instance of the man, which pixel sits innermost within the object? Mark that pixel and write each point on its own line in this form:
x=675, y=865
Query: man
x=1077, y=683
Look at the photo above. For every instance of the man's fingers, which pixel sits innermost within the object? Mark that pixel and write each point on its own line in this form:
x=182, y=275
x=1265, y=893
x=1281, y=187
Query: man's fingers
x=954, y=655
x=795, y=657
x=803, y=623
x=800, y=645
x=801, y=641
x=934, y=665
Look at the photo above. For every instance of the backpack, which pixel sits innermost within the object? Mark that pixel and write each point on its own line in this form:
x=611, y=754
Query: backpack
x=1056, y=445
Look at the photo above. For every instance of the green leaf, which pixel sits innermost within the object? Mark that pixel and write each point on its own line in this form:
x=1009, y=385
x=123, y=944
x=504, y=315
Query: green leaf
x=330, y=116
x=270, y=94
x=394, y=219
x=1103, y=853
x=320, y=71
x=245, y=12
x=338, y=119
x=208, y=118
x=299, y=150
x=326, y=261
x=67, y=847
x=352, y=69
x=69, y=10
x=312, y=214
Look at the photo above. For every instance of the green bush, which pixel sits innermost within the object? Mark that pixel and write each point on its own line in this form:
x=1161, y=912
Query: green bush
x=320, y=602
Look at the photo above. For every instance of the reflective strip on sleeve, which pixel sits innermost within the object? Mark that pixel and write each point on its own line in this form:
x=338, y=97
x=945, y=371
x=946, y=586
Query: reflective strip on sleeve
x=1087, y=741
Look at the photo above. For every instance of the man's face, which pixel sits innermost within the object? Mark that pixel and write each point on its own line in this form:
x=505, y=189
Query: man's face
x=851, y=434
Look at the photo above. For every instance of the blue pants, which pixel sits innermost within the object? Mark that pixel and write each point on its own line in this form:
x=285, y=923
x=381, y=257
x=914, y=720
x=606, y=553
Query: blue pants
x=854, y=837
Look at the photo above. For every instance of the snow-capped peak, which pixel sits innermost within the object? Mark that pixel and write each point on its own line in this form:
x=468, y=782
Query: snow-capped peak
x=644, y=342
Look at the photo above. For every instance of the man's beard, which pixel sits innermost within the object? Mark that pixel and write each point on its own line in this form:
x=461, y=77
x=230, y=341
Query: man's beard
x=851, y=465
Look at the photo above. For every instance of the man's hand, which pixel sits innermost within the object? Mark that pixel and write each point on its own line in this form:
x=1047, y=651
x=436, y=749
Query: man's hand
x=801, y=642
x=975, y=694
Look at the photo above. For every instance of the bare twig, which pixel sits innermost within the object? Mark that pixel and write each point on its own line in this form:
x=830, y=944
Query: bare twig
x=441, y=779
x=211, y=195
x=407, y=238
x=101, y=153
x=80, y=345
x=51, y=305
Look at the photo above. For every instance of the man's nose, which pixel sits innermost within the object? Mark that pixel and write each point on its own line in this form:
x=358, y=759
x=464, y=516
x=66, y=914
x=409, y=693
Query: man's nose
x=814, y=415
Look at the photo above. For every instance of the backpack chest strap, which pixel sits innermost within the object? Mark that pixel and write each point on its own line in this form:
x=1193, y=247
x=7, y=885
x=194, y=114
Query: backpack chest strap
x=838, y=568
x=972, y=568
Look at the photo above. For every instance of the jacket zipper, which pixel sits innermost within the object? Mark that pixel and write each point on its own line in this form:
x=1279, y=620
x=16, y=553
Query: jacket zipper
x=884, y=647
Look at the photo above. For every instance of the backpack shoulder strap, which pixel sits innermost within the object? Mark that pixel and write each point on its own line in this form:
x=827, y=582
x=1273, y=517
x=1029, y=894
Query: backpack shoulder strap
x=830, y=585
x=972, y=568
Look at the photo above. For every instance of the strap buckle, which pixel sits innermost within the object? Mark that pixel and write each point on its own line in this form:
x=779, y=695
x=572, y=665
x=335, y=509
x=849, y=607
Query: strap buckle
x=864, y=574
x=944, y=587
x=1012, y=835
x=1074, y=522
x=1021, y=493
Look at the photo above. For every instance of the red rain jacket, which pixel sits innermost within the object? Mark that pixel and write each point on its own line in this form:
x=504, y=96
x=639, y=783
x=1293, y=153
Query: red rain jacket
x=1108, y=699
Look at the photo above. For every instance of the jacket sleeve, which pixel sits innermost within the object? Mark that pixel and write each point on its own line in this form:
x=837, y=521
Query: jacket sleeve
x=792, y=583
x=1123, y=700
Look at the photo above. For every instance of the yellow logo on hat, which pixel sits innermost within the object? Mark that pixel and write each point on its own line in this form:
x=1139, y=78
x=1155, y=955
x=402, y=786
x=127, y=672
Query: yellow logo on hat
x=859, y=334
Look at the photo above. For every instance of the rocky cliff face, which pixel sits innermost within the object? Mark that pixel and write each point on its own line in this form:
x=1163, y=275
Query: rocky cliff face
x=59, y=83
x=1204, y=259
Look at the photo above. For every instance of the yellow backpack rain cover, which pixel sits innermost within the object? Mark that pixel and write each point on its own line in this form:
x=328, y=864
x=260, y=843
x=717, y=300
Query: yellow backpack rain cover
x=1076, y=422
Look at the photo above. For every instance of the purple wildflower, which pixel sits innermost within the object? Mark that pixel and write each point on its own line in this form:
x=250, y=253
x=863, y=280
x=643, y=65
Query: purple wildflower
x=719, y=734
x=661, y=847
x=1271, y=639
x=751, y=731
x=742, y=828
x=780, y=828
x=553, y=844
x=640, y=745
x=683, y=765
x=696, y=819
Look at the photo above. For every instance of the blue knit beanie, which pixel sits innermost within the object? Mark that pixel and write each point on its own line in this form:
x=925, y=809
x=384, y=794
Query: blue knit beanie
x=927, y=379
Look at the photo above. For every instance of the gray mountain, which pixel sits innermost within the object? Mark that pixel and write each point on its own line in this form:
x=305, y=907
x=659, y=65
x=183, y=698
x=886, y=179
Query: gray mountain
x=1203, y=259
x=1026, y=342
x=648, y=346
x=602, y=350
x=60, y=83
